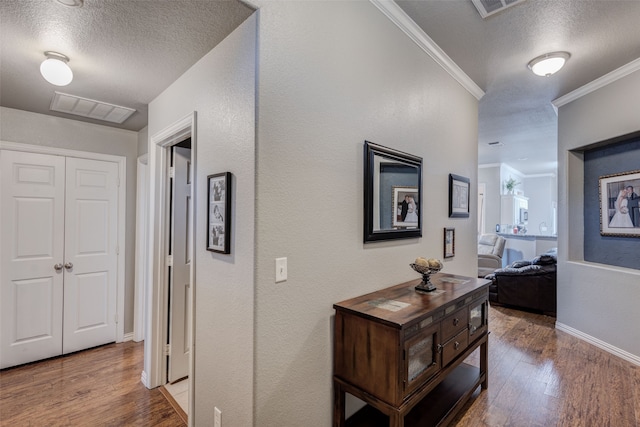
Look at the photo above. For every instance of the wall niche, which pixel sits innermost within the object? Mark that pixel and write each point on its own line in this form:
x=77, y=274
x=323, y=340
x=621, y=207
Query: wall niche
x=613, y=156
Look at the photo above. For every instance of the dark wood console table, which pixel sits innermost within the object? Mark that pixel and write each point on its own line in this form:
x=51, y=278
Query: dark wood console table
x=402, y=352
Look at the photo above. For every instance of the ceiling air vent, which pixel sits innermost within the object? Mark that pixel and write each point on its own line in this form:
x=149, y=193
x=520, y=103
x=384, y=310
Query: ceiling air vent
x=489, y=7
x=93, y=109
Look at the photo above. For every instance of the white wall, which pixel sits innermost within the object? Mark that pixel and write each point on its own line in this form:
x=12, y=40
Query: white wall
x=221, y=89
x=596, y=300
x=332, y=74
x=39, y=129
x=143, y=141
x=490, y=176
x=542, y=193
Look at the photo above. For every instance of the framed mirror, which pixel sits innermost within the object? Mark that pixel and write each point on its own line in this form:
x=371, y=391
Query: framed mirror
x=392, y=194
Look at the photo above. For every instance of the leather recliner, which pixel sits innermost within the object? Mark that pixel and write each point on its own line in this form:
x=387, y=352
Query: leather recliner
x=490, y=249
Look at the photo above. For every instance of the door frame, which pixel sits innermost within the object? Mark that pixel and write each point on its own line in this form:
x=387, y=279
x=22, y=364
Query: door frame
x=122, y=208
x=155, y=364
x=142, y=248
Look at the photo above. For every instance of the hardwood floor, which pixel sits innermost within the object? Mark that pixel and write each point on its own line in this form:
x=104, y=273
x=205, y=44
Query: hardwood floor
x=539, y=376
x=96, y=387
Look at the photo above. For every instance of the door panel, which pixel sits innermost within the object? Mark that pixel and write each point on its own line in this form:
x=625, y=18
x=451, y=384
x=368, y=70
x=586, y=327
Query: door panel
x=179, y=334
x=90, y=253
x=31, y=244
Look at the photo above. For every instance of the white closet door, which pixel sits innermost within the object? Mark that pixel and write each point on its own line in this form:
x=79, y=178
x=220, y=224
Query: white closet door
x=31, y=245
x=91, y=261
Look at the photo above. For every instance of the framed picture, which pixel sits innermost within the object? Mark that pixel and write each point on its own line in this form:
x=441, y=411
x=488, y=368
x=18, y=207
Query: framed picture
x=389, y=175
x=619, y=211
x=219, y=212
x=405, y=211
x=449, y=242
x=458, y=196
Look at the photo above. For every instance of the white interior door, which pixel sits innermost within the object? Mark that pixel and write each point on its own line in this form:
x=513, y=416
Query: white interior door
x=31, y=256
x=91, y=253
x=180, y=277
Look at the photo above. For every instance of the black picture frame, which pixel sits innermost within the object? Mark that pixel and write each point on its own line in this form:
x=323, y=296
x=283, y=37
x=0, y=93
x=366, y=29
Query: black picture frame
x=386, y=169
x=449, y=242
x=459, y=196
x=219, y=213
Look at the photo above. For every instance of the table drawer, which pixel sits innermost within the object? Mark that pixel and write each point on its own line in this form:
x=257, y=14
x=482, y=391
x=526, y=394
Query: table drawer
x=453, y=324
x=452, y=348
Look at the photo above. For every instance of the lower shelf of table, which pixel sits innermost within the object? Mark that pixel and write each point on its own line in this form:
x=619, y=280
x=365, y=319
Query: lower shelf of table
x=442, y=401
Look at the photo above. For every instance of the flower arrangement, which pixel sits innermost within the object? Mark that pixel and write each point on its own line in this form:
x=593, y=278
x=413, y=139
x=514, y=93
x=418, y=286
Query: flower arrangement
x=511, y=184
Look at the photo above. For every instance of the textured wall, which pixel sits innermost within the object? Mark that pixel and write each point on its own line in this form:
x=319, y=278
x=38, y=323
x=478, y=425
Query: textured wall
x=221, y=89
x=38, y=129
x=331, y=75
x=595, y=299
x=143, y=141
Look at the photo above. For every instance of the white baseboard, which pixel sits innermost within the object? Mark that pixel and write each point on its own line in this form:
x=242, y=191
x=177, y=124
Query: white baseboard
x=632, y=358
x=127, y=337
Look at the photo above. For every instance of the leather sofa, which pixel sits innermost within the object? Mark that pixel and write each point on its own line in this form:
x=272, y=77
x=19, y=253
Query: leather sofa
x=530, y=285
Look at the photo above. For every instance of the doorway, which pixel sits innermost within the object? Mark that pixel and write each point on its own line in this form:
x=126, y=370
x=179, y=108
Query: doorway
x=162, y=296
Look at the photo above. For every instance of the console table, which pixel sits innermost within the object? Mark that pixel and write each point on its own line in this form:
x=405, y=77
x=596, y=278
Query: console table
x=402, y=352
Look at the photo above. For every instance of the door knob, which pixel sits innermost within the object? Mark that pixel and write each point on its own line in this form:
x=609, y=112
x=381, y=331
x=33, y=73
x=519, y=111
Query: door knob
x=57, y=267
x=68, y=266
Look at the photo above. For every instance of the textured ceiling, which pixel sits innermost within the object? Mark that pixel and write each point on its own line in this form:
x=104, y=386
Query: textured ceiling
x=127, y=51
x=601, y=36
x=124, y=52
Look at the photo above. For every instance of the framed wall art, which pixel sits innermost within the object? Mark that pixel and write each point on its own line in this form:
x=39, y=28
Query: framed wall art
x=458, y=196
x=449, y=242
x=219, y=212
x=390, y=177
x=619, y=211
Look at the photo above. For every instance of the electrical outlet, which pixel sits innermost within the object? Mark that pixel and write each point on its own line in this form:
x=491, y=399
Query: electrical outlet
x=281, y=270
x=217, y=417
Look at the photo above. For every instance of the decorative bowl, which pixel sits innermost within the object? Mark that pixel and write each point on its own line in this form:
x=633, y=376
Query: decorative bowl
x=425, y=285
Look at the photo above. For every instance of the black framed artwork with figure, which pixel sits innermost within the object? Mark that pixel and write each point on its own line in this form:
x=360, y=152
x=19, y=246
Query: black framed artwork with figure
x=219, y=213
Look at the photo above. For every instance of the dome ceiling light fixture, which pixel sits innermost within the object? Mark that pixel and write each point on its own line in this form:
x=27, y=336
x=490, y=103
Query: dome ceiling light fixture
x=71, y=3
x=548, y=64
x=55, y=69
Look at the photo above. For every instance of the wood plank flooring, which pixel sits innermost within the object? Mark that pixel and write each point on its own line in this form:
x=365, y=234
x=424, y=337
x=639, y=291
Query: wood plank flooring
x=96, y=387
x=539, y=376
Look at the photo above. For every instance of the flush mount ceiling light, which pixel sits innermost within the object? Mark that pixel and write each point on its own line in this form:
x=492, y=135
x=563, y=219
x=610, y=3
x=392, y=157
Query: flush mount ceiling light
x=548, y=64
x=71, y=3
x=55, y=70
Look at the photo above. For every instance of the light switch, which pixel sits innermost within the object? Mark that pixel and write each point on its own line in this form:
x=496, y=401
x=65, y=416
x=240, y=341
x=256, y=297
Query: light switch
x=281, y=270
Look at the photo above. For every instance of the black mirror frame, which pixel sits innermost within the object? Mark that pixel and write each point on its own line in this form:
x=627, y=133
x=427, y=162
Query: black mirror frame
x=371, y=235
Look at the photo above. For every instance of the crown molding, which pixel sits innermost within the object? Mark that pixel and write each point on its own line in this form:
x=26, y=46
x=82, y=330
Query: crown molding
x=598, y=83
x=489, y=165
x=392, y=11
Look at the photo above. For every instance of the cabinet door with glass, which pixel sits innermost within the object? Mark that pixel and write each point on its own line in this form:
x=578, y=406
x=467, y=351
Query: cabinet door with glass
x=421, y=357
x=478, y=318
